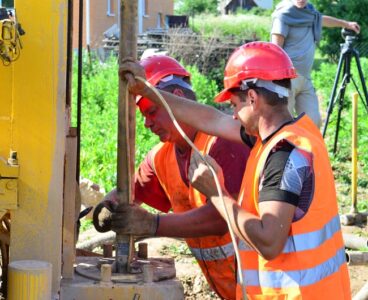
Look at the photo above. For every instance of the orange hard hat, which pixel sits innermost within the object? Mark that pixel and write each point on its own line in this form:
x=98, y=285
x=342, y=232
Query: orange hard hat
x=255, y=60
x=158, y=67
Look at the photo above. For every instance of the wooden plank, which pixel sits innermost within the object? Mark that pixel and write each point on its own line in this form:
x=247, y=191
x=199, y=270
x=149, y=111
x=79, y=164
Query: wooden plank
x=69, y=205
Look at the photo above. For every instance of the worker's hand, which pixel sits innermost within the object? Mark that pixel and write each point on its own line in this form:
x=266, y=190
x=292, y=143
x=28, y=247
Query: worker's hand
x=129, y=70
x=353, y=26
x=103, y=212
x=201, y=176
x=132, y=219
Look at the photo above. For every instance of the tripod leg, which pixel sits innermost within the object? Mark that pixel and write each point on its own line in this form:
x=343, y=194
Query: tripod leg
x=361, y=76
x=333, y=93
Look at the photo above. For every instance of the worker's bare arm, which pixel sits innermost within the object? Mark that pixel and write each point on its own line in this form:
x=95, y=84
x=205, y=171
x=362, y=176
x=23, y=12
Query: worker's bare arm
x=199, y=222
x=203, y=117
x=278, y=39
x=328, y=21
x=268, y=233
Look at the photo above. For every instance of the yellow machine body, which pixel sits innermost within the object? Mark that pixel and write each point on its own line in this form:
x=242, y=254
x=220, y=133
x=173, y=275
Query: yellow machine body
x=32, y=122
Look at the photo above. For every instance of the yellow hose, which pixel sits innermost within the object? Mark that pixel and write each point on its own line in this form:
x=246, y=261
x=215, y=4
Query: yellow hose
x=181, y=131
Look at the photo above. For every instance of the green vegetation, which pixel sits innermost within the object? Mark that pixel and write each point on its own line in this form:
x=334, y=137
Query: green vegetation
x=323, y=79
x=8, y=3
x=85, y=225
x=180, y=249
x=191, y=7
x=347, y=10
x=241, y=27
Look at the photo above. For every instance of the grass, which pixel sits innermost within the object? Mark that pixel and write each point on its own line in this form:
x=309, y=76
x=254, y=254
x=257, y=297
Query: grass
x=323, y=79
x=241, y=27
x=177, y=249
x=85, y=225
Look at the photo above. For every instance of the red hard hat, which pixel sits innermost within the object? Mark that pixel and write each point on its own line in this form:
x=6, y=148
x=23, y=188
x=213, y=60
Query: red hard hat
x=160, y=66
x=262, y=60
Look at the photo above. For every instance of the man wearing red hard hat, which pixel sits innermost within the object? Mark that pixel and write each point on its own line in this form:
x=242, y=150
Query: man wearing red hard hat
x=286, y=215
x=162, y=182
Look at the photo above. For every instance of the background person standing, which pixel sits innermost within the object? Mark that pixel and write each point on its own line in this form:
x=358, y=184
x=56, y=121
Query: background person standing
x=296, y=27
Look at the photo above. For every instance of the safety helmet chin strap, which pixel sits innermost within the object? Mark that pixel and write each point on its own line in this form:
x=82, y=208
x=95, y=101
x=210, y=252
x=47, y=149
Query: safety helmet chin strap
x=268, y=85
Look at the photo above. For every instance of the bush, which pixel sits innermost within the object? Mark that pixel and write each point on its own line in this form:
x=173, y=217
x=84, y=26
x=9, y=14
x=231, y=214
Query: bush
x=99, y=124
x=347, y=10
x=206, y=89
x=190, y=7
x=240, y=27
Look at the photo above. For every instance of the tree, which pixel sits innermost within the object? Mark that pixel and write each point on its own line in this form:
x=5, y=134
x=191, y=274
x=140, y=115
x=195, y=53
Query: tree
x=191, y=7
x=347, y=10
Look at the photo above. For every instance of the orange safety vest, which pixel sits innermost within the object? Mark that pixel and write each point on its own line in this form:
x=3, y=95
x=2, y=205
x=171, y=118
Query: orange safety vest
x=215, y=254
x=312, y=264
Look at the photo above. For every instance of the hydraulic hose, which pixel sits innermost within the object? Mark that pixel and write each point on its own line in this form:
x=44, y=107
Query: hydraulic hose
x=218, y=186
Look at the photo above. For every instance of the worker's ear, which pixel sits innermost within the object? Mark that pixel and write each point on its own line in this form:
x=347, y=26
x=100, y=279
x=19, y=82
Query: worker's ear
x=253, y=98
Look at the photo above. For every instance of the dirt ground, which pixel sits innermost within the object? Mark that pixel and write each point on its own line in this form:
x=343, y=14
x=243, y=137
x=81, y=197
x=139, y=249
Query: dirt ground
x=195, y=285
x=189, y=273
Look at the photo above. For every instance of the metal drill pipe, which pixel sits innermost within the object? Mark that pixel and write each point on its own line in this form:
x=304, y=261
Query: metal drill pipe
x=126, y=129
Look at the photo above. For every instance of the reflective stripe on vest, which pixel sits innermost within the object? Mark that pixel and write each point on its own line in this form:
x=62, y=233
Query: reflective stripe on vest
x=305, y=241
x=214, y=253
x=299, y=278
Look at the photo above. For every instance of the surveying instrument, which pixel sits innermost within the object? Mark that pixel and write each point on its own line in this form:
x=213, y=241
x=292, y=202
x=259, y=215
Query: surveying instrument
x=344, y=68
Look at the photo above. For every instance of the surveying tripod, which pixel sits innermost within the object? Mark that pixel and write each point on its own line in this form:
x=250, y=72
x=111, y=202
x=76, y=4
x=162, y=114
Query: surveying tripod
x=347, y=53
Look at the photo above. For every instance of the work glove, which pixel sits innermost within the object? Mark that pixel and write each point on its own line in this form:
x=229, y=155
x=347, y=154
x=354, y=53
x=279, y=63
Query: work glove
x=102, y=214
x=131, y=219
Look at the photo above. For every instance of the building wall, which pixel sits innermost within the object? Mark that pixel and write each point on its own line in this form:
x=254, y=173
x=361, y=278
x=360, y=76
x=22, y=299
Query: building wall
x=153, y=8
x=100, y=21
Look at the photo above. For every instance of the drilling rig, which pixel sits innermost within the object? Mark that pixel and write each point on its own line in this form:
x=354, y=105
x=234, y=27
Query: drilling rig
x=38, y=170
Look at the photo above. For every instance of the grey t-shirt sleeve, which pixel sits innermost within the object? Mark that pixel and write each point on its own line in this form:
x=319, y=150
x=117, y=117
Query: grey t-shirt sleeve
x=279, y=27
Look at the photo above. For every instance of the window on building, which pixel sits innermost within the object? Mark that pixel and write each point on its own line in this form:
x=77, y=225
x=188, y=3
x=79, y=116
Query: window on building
x=110, y=8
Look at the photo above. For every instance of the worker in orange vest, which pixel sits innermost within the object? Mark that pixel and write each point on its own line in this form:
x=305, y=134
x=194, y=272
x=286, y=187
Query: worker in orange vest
x=286, y=218
x=162, y=182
